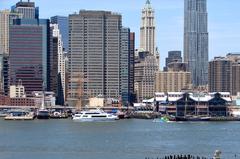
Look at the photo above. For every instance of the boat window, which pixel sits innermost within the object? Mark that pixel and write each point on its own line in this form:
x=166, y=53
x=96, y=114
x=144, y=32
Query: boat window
x=98, y=116
x=92, y=113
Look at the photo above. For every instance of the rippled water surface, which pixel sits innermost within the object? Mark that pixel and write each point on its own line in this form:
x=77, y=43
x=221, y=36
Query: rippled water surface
x=123, y=139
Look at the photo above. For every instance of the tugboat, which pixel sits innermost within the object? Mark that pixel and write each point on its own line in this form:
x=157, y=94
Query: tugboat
x=43, y=113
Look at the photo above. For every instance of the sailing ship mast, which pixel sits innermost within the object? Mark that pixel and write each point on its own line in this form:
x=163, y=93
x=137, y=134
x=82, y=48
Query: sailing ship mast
x=43, y=97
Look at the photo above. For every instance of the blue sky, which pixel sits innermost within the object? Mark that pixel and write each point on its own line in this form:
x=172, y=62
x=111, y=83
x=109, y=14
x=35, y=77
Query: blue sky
x=224, y=20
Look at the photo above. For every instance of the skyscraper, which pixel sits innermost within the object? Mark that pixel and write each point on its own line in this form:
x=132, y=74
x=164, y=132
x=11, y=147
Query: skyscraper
x=147, y=29
x=26, y=61
x=63, y=26
x=27, y=9
x=6, y=17
x=57, y=61
x=29, y=49
x=146, y=66
x=95, y=51
x=125, y=66
x=132, y=62
x=173, y=56
x=196, y=40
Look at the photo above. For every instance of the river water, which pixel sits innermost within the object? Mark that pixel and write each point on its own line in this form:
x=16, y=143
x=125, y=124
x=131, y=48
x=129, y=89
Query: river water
x=123, y=139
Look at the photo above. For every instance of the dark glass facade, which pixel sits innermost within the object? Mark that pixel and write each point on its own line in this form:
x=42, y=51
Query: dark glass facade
x=63, y=27
x=26, y=57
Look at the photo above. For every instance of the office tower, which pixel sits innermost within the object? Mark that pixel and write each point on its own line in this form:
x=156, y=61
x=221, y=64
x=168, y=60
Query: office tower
x=95, y=61
x=5, y=75
x=177, y=66
x=131, y=71
x=29, y=49
x=125, y=66
x=196, y=40
x=173, y=56
x=220, y=75
x=26, y=57
x=57, y=61
x=146, y=66
x=6, y=18
x=147, y=29
x=1, y=74
x=63, y=27
x=27, y=9
x=172, y=81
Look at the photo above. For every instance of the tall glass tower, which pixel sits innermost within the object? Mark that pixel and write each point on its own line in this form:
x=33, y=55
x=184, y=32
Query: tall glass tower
x=196, y=40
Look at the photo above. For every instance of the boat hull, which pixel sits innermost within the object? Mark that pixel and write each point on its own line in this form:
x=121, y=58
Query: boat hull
x=193, y=119
x=43, y=115
x=94, y=119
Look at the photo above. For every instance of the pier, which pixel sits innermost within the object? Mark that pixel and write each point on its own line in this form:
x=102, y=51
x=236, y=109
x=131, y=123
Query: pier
x=179, y=157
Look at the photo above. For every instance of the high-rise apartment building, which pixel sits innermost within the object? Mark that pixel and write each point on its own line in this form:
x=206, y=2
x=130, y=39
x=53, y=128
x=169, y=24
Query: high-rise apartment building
x=235, y=78
x=95, y=51
x=220, y=75
x=147, y=29
x=27, y=9
x=196, y=40
x=224, y=74
x=63, y=27
x=172, y=81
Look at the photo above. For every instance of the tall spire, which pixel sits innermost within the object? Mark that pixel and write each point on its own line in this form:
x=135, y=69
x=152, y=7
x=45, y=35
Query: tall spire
x=147, y=29
x=148, y=4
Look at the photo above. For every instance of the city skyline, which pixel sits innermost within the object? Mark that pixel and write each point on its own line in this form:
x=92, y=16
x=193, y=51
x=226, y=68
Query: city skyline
x=224, y=33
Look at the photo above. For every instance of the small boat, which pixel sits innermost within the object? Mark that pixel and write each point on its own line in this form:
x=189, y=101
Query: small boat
x=192, y=118
x=43, y=114
x=94, y=115
x=120, y=114
x=164, y=119
x=19, y=115
x=58, y=115
x=3, y=113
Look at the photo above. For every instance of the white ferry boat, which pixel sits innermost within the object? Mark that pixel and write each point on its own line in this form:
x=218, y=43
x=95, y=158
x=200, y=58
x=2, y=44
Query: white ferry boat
x=94, y=115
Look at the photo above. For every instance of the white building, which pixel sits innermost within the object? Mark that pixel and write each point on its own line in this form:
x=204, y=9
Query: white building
x=61, y=56
x=17, y=91
x=147, y=30
x=50, y=98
